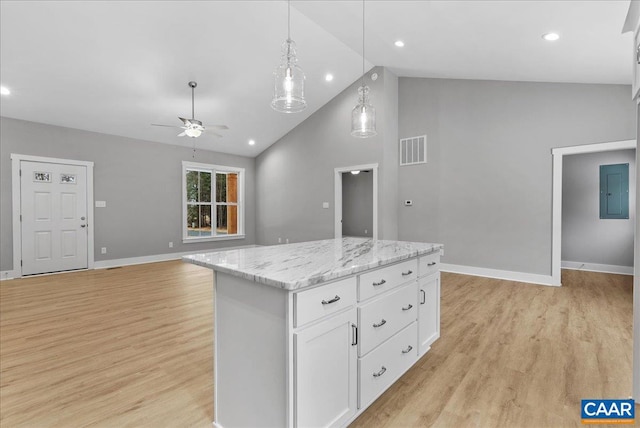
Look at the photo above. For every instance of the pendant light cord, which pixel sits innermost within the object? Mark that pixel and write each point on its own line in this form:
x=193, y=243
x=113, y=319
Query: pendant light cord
x=288, y=19
x=363, y=45
x=193, y=116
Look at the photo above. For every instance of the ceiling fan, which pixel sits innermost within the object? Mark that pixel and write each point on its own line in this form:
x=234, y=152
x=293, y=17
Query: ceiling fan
x=194, y=128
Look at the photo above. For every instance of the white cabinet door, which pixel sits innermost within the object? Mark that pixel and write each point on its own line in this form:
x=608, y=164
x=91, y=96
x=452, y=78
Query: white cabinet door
x=325, y=378
x=428, y=311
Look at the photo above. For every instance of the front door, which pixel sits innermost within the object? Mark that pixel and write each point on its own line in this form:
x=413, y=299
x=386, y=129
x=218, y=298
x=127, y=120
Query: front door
x=54, y=217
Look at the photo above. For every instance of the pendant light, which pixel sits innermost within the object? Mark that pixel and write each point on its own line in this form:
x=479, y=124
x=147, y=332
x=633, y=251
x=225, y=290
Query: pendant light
x=363, y=115
x=288, y=93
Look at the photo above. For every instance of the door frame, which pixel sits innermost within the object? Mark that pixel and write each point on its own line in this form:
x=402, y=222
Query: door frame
x=17, y=203
x=556, y=224
x=338, y=197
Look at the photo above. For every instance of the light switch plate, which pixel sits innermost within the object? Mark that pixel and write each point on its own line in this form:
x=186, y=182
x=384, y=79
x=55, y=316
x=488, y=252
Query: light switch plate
x=101, y=204
x=325, y=205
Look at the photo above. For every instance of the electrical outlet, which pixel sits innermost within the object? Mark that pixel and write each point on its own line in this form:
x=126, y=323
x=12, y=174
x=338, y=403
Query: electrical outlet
x=279, y=240
x=287, y=240
x=170, y=244
x=365, y=231
x=101, y=204
x=103, y=250
x=325, y=205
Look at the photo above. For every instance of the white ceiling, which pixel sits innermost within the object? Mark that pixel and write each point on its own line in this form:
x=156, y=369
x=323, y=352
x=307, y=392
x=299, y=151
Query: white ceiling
x=117, y=67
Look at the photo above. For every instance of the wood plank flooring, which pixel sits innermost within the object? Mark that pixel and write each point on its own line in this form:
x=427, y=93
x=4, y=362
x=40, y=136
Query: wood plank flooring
x=133, y=347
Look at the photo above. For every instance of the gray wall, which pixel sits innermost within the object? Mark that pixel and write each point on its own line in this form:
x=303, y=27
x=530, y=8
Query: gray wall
x=357, y=204
x=296, y=174
x=485, y=192
x=585, y=237
x=140, y=181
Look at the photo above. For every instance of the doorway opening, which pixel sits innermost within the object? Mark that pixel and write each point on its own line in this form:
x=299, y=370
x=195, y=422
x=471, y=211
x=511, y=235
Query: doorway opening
x=356, y=201
x=558, y=155
x=52, y=215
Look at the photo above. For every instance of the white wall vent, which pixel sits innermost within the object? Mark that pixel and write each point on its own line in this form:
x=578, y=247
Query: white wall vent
x=413, y=150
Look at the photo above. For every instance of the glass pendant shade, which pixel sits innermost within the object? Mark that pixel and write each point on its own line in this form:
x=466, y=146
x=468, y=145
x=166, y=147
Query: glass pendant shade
x=363, y=116
x=288, y=94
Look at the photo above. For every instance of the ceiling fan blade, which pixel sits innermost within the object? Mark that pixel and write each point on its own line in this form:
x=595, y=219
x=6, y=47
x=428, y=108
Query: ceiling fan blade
x=182, y=134
x=187, y=122
x=168, y=126
x=216, y=126
x=209, y=131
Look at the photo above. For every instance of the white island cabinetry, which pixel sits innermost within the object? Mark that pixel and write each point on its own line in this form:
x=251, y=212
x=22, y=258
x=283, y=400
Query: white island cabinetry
x=310, y=334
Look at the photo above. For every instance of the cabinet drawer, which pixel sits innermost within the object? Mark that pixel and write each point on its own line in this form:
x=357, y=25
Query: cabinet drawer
x=386, y=278
x=386, y=363
x=314, y=304
x=429, y=264
x=382, y=318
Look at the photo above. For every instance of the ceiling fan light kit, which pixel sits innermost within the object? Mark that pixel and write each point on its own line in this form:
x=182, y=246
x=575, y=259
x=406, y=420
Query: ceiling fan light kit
x=288, y=91
x=194, y=128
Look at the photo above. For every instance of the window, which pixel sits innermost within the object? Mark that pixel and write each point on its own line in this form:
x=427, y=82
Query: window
x=212, y=202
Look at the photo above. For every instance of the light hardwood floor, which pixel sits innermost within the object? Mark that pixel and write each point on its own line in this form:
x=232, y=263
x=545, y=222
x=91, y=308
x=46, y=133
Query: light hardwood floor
x=133, y=347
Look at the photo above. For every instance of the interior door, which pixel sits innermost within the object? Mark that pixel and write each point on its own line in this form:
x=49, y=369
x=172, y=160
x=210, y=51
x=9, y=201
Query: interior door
x=53, y=217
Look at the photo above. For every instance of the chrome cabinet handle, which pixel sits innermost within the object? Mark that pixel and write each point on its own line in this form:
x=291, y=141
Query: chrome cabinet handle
x=408, y=307
x=409, y=272
x=328, y=302
x=381, y=323
x=381, y=372
x=406, y=351
x=424, y=297
x=431, y=264
x=638, y=55
x=382, y=281
x=83, y=225
x=354, y=330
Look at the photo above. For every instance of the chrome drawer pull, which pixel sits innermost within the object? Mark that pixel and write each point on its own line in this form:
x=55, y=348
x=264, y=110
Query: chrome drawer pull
x=382, y=281
x=424, y=297
x=409, y=272
x=328, y=302
x=432, y=264
x=354, y=328
x=406, y=351
x=381, y=372
x=408, y=307
x=381, y=323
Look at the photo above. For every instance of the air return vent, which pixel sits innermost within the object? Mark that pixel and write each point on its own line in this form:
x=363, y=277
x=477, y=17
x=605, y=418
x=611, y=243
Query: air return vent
x=413, y=150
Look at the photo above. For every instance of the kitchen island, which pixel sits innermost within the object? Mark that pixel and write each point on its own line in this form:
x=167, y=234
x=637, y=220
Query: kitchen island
x=310, y=334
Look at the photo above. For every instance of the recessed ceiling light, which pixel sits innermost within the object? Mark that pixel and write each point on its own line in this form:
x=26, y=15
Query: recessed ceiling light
x=399, y=43
x=252, y=142
x=328, y=77
x=551, y=37
x=4, y=90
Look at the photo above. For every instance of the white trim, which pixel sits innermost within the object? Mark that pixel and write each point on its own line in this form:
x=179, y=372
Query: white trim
x=595, y=148
x=556, y=228
x=196, y=239
x=596, y=267
x=531, y=278
x=16, y=203
x=106, y=264
x=240, y=204
x=9, y=274
x=338, y=197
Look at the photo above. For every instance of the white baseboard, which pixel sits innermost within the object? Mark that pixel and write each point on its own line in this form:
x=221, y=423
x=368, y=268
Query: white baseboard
x=596, y=267
x=531, y=278
x=106, y=264
x=9, y=274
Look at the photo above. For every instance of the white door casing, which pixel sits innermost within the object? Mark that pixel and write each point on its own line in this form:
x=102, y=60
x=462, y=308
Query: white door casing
x=52, y=210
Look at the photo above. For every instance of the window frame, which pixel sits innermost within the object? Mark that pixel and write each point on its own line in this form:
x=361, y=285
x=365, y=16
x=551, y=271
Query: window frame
x=213, y=169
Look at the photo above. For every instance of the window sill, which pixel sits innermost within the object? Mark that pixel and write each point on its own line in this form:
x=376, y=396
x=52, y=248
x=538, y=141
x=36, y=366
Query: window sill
x=212, y=239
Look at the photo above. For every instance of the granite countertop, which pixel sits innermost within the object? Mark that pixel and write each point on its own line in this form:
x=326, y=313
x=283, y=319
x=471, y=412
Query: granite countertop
x=295, y=266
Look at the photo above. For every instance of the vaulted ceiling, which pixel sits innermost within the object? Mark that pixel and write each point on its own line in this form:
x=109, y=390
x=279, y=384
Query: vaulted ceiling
x=116, y=67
